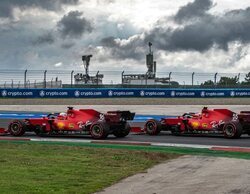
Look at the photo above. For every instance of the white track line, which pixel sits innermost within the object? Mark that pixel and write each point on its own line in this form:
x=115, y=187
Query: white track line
x=60, y=140
x=182, y=145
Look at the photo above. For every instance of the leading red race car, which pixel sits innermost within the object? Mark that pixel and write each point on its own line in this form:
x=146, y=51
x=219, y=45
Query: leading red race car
x=220, y=121
x=83, y=121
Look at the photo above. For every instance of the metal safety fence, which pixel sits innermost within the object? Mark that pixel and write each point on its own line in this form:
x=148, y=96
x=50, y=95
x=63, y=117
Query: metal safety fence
x=114, y=79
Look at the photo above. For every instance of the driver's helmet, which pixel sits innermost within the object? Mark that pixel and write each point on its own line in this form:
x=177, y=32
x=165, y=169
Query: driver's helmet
x=204, y=110
x=63, y=114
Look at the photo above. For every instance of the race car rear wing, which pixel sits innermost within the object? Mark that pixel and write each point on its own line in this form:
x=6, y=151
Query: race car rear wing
x=244, y=116
x=117, y=116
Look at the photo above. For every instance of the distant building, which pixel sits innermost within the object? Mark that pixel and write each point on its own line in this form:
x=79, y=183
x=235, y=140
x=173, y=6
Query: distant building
x=86, y=79
x=149, y=78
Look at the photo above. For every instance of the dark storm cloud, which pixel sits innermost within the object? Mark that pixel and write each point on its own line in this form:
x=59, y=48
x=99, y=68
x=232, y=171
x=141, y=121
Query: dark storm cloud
x=109, y=42
x=204, y=33
x=7, y=6
x=67, y=45
x=197, y=35
x=198, y=8
x=122, y=51
x=46, y=38
x=74, y=25
x=201, y=34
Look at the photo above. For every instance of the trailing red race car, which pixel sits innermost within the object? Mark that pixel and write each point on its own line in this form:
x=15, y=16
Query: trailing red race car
x=220, y=121
x=83, y=121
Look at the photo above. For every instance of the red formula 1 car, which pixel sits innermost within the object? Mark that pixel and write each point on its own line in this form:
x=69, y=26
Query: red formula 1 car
x=220, y=121
x=83, y=121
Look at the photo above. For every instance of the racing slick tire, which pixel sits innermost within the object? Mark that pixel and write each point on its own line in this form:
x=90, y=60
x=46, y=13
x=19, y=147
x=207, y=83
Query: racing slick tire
x=153, y=127
x=99, y=130
x=175, y=132
x=17, y=128
x=232, y=130
x=39, y=131
x=123, y=131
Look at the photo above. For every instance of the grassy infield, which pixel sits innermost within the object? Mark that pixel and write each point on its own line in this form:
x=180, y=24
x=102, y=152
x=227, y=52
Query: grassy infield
x=79, y=168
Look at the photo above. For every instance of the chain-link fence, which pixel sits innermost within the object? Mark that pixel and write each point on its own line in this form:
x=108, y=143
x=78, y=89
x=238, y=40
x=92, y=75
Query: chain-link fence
x=72, y=78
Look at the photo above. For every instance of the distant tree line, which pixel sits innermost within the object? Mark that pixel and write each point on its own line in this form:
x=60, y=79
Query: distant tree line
x=229, y=81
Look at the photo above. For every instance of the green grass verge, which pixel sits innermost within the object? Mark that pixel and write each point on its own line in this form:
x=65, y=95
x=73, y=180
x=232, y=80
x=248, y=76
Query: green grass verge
x=33, y=167
x=172, y=150
x=59, y=167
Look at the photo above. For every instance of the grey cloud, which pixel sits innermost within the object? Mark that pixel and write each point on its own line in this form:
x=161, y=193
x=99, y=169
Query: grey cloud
x=132, y=49
x=105, y=1
x=202, y=34
x=240, y=53
x=67, y=45
x=74, y=25
x=7, y=6
x=198, y=8
x=18, y=50
x=109, y=42
x=197, y=35
x=46, y=38
x=209, y=30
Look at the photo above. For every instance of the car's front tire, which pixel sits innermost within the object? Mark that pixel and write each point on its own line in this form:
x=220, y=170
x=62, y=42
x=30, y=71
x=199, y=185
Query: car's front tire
x=17, y=128
x=153, y=127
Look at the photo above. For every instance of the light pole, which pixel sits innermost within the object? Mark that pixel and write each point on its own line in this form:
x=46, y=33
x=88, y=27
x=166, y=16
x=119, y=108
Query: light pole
x=122, y=77
x=193, y=79
x=44, y=78
x=25, y=78
x=72, y=72
x=215, y=78
x=169, y=75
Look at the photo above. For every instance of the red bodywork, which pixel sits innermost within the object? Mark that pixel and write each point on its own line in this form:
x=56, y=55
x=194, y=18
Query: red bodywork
x=207, y=120
x=223, y=121
x=3, y=131
x=75, y=121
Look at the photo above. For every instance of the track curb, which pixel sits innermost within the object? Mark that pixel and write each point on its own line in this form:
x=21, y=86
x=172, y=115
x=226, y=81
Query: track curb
x=231, y=149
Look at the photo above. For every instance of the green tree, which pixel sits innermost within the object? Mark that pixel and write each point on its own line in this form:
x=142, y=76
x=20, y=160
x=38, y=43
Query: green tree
x=228, y=81
x=208, y=83
x=247, y=79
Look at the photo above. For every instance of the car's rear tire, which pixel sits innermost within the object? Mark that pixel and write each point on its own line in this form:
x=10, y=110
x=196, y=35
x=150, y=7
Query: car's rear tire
x=39, y=131
x=175, y=132
x=17, y=128
x=153, y=127
x=232, y=130
x=99, y=130
x=123, y=131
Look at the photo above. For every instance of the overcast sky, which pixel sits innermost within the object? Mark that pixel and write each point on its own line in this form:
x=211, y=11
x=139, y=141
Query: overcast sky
x=196, y=35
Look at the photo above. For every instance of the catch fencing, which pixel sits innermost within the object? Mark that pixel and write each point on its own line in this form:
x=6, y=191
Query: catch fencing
x=113, y=79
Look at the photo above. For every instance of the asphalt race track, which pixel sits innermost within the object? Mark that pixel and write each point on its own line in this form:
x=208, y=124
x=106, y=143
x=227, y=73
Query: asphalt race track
x=244, y=141
x=164, y=137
